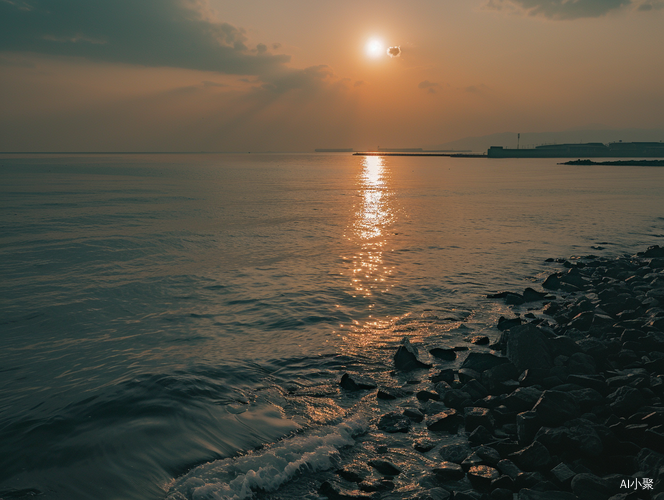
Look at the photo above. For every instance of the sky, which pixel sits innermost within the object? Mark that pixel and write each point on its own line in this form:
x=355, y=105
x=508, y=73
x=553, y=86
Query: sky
x=294, y=75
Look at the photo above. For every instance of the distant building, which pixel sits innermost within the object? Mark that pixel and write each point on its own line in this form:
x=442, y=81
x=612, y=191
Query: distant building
x=588, y=150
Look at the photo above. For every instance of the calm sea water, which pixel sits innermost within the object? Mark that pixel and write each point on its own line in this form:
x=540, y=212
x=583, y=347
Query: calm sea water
x=163, y=315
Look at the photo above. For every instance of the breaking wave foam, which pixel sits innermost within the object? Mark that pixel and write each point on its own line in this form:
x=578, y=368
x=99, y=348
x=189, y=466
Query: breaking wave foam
x=266, y=470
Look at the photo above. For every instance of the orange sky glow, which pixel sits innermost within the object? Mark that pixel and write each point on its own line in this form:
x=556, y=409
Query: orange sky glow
x=191, y=75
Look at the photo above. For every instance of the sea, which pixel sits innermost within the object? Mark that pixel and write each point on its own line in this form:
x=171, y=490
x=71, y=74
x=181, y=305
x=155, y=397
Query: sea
x=175, y=326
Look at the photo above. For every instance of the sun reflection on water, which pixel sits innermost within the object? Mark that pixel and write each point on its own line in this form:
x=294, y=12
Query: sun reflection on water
x=373, y=216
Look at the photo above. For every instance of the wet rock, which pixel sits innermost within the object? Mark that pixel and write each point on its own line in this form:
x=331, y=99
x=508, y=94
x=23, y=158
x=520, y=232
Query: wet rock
x=528, y=494
x=591, y=487
x=466, y=495
x=353, y=383
x=446, y=375
x=334, y=492
x=427, y=395
x=507, y=323
x=625, y=400
x=476, y=416
x=449, y=471
x=390, y=393
x=501, y=493
x=406, y=358
x=444, y=354
x=353, y=475
x=447, y=420
x=457, y=399
x=424, y=444
x=494, y=377
x=528, y=424
x=385, y=468
x=481, y=476
x=435, y=494
x=530, y=295
x=456, y=453
x=563, y=474
x=508, y=468
x=468, y=374
x=528, y=347
x=555, y=407
x=532, y=458
x=371, y=485
x=480, y=361
x=480, y=435
x=478, y=340
x=522, y=399
x=394, y=422
x=488, y=455
x=413, y=414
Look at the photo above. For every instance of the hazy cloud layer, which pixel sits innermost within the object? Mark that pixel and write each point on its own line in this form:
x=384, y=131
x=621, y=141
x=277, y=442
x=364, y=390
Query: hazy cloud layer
x=571, y=9
x=171, y=33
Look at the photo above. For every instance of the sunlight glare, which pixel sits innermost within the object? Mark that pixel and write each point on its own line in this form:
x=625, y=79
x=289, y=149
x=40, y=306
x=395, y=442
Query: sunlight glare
x=375, y=48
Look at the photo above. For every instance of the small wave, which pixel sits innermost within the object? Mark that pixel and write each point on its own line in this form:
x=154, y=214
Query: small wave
x=268, y=469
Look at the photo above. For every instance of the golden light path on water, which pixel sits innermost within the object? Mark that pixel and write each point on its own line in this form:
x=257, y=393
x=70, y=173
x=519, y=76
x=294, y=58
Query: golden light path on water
x=369, y=233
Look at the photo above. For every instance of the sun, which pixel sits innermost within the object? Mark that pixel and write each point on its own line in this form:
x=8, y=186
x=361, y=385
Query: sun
x=374, y=48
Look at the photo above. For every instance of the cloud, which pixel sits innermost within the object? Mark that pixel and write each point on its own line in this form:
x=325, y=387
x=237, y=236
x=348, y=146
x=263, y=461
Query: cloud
x=570, y=9
x=394, y=51
x=310, y=78
x=156, y=33
x=426, y=84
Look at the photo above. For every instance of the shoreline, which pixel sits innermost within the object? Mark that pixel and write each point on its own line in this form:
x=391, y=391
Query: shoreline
x=567, y=405
x=626, y=163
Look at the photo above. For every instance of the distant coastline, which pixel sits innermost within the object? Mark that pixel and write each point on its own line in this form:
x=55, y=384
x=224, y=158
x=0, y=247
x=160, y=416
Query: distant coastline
x=623, y=163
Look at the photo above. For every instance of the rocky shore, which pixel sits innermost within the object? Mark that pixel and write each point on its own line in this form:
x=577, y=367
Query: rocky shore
x=566, y=404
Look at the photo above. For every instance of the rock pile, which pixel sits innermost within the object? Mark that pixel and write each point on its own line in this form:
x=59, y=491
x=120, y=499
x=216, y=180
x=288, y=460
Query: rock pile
x=568, y=405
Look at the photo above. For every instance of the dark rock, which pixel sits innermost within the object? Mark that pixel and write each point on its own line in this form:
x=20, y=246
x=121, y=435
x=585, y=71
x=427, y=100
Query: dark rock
x=466, y=495
x=506, y=324
x=528, y=347
x=532, y=458
x=508, y=468
x=406, y=359
x=530, y=480
x=394, y=422
x=480, y=361
x=552, y=282
x=446, y=375
x=493, y=378
x=555, y=407
x=480, y=435
x=583, y=437
x=591, y=487
x=456, y=453
x=447, y=420
x=563, y=345
x=527, y=425
x=476, y=416
x=354, y=383
x=488, y=455
x=468, y=374
x=475, y=389
x=427, y=395
x=334, y=492
x=479, y=340
x=530, y=295
x=625, y=400
x=581, y=364
x=457, y=399
x=353, y=475
x=449, y=471
x=500, y=493
x=649, y=461
x=413, y=414
x=390, y=393
x=522, y=399
x=590, y=381
x=371, y=485
x=587, y=399
x=435, y=494
x=528, y=494
x=582, y=321
x=470, y=461
x=481, y=476
x=385, y=468
x=424, y=444
x=563, y=474
x=444, y=354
